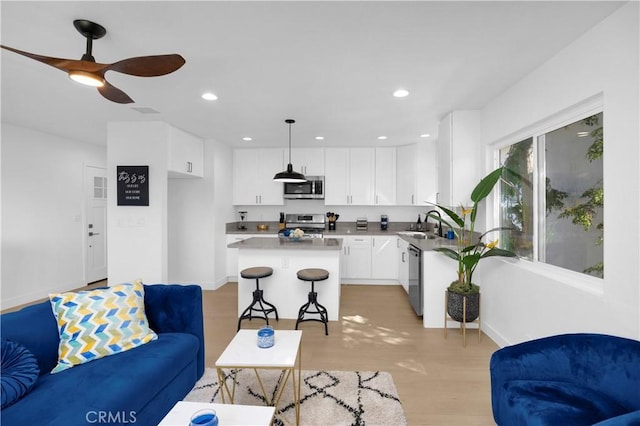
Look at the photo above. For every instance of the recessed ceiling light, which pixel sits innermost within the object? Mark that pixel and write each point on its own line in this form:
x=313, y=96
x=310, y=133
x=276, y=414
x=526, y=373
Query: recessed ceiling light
x=382, y=138
x=319, y=138
x=425, y=135
x=401, y=93
x=209, y=96
x=247, y=139
x=582, y=134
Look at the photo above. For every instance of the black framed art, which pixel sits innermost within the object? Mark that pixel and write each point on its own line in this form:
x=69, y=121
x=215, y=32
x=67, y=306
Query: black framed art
x=133, y=185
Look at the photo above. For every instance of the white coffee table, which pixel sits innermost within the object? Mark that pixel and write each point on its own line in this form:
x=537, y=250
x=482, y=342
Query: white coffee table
x=243, y=352
x=228, y=415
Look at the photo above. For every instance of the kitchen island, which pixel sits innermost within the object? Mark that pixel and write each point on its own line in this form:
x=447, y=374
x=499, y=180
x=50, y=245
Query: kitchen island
x=287, y=257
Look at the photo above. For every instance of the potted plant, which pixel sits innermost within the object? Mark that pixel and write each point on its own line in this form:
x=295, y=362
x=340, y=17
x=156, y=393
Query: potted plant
x=470, y=250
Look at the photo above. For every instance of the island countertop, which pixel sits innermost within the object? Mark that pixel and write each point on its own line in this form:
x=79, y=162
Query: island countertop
x=287, y=244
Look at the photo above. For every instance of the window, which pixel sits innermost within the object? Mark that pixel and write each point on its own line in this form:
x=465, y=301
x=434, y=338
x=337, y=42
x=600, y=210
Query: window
x=99, y=187
x=552, y=196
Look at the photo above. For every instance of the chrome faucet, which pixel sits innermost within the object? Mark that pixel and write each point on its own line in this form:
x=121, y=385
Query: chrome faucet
x=439, y=220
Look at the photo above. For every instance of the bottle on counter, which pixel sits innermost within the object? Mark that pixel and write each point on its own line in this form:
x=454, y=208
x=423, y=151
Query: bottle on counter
x=282, y=224
x=419, y=224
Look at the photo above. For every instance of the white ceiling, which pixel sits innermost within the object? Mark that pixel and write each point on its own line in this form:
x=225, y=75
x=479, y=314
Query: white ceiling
x=331, y=66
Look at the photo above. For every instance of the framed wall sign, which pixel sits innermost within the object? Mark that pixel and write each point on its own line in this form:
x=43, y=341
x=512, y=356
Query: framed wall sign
x=133, y=185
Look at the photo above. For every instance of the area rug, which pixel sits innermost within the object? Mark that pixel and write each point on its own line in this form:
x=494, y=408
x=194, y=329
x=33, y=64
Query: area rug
x=326, y=397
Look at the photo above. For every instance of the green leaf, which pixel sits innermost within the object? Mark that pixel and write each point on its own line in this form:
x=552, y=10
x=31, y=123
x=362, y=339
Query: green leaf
x=448, y=252
x=498, y=228
x=453, y=215
x=471, y=259
x=485, y=186
x=498, y=252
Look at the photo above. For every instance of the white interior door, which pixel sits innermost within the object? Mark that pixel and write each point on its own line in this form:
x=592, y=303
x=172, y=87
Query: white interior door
x=96, y=232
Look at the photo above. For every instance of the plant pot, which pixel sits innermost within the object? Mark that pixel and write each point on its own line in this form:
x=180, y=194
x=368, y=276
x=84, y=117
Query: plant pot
x=455, y=306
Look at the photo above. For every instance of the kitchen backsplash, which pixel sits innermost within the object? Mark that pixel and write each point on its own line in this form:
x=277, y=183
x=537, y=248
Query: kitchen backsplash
x=347, y=213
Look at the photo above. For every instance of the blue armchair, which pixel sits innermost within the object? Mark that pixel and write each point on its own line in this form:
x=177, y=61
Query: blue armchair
x=570, y=379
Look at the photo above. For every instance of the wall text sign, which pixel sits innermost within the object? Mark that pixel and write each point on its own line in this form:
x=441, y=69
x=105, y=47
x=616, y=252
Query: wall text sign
x=133, y=185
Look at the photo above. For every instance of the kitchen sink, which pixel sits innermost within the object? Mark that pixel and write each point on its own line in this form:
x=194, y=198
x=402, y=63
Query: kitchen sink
x=415, y=234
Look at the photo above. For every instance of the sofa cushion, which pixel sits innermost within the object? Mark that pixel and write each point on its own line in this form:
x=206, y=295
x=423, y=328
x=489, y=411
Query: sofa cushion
x=540, y=402
x=35, y=328
x=97, y=323
x=121, y=385
x=19, y=372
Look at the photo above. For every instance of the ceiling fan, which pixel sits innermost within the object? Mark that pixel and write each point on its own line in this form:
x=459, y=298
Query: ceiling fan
x=88, y=71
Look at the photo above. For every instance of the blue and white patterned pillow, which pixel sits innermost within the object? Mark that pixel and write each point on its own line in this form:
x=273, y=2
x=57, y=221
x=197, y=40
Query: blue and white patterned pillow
x=98, y=323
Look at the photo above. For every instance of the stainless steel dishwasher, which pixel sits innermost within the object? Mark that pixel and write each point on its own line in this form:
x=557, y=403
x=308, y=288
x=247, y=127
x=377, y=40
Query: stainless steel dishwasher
x=415, y=278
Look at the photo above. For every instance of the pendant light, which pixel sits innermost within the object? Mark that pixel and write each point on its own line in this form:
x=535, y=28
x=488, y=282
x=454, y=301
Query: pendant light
x=289, y=175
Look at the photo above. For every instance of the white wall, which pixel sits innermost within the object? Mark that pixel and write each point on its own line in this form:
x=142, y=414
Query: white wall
x=223, y=210
x=520, y=300
x=198, y=211
x=137, y=235
x=42, y=213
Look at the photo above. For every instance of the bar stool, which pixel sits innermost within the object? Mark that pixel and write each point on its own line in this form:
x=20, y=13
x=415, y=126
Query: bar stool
x=258, y=303
x=313, y=275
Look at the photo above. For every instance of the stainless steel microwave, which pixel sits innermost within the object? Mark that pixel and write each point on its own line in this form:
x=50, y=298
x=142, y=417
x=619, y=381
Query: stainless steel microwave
x=312, y=189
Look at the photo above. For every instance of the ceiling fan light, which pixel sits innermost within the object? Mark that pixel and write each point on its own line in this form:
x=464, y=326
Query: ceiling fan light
x=86, y=78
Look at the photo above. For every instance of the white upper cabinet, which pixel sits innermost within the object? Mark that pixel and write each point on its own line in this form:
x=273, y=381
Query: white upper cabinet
x=349, y=176
x=186, y=155
x=417, y=179
x=406, y=180
x=253, y=171
x=426, y=173
x=308, y=161
x=458, y=157
x=385, y=176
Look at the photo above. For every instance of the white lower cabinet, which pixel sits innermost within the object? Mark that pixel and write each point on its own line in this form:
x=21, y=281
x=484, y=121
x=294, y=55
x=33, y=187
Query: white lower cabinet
x=370, y=257
x=356, y=257
x=384, y=257
x=403, y=263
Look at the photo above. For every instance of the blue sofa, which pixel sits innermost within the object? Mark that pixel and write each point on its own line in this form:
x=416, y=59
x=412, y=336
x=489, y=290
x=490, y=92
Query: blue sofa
x=569, y=379
x=139, y=386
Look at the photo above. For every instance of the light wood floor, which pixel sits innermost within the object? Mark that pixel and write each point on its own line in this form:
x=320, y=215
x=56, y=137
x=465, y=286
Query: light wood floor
x=439, y=381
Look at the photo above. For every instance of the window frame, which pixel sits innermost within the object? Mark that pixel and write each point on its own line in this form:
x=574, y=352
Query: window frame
x=537, y=131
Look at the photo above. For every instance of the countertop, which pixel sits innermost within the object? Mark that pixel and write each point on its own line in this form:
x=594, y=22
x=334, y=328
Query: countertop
x=344, y=229
x=326, y=243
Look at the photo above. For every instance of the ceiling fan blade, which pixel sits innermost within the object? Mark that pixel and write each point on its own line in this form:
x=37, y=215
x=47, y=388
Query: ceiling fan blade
x=62, y=64
x=114, y=94
x=148, y=66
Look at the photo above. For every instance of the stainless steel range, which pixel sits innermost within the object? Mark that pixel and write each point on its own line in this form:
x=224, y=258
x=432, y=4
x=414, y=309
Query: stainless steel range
x=311, y=224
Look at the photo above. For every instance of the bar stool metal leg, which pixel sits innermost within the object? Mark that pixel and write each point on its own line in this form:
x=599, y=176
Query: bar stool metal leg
x=258, y=304
x=312, y=307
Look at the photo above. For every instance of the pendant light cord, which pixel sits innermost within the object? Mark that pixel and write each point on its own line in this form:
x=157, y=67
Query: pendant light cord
x=289, y=143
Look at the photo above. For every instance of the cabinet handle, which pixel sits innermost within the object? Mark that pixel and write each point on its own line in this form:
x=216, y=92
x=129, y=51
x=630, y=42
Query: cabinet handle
x=413, y=199
x=257, y=200
x=437, y=198
x=403, y=253
x=189, y=167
